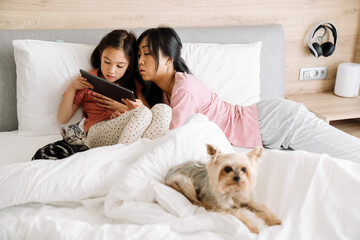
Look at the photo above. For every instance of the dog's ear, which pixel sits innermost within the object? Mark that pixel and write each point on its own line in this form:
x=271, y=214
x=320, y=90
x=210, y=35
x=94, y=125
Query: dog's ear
x=255, y=154
x=212, y=151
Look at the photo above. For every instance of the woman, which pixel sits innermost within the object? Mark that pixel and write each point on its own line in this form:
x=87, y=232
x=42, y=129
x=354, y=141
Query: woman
x=273, y=123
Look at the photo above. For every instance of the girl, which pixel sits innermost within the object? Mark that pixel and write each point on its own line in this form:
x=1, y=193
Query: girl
x=273, y=123
x=108, y=121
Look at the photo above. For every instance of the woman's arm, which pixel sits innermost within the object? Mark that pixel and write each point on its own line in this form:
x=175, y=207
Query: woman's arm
x=183, y=105
x=143, y=100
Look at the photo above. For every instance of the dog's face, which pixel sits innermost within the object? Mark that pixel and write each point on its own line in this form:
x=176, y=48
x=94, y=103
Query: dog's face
x=233, y=173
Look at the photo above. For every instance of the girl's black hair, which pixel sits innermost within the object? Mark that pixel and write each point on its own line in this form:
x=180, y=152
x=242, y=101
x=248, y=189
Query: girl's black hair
x=169, y=43
x=119, y=39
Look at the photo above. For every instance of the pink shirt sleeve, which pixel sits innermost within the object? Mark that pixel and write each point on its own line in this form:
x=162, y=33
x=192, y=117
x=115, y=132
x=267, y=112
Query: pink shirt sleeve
x=183, y=106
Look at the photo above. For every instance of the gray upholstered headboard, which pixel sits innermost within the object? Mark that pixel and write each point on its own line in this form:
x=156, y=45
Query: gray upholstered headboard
x=272, y=70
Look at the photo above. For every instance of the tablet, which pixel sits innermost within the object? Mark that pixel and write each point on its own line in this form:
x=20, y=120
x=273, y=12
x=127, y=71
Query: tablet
x=108, y=89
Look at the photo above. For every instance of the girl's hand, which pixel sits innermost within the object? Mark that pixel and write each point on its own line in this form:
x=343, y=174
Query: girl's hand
x=109, y=103
x=115, y=115
x=80, y=82
x=132, y=104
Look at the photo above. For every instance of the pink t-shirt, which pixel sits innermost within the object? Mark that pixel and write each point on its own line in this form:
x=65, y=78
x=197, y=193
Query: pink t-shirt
x=92, y=112
x=190, y=95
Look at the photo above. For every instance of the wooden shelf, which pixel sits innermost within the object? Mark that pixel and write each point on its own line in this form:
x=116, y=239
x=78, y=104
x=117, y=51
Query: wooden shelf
x=328, y=106
x=350, y=126
x=342, y=113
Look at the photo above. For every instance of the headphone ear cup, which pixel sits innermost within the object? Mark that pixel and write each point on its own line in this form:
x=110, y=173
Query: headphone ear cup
x=318, y=49
x=327, y=49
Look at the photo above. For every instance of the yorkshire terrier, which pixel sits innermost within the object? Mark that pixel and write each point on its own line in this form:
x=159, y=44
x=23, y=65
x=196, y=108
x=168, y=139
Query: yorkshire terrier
x=223, y=185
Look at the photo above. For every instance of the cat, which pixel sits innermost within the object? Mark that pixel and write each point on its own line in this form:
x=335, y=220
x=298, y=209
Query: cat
x=74, y=137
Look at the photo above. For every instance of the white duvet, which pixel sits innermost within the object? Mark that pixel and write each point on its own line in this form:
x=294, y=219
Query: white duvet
x=116, y=192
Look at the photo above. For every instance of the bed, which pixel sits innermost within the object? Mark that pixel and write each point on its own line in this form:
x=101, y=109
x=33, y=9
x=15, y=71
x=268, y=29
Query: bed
x=115, y=192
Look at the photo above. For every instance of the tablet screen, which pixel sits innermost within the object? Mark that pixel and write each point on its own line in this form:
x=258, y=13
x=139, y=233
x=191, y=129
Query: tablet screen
x=108, y=89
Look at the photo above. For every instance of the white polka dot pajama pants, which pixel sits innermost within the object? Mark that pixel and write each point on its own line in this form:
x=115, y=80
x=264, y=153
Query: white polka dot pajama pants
x=130, y=126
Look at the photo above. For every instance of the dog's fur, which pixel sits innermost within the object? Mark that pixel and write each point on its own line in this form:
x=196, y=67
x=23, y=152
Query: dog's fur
x=223, y=185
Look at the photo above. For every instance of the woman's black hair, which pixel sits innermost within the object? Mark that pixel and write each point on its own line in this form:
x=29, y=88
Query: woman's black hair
x=119, y=39
x=169, y=43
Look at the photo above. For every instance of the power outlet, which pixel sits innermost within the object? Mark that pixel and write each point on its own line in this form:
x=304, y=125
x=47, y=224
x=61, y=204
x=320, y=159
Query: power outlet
x=313, y=73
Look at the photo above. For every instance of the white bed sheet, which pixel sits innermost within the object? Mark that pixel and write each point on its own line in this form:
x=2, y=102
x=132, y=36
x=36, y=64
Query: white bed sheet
x=115, y=192
x=18, y=148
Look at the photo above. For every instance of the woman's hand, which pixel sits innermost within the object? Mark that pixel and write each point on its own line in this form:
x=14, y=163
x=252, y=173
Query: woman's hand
x=80, y=82
x=109, y=103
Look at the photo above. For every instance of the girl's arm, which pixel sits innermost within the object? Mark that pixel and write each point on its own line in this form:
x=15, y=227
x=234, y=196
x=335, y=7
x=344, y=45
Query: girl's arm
x=140, y=101
x=109, y=103
x=67, y=108
x=129, y=105
x=118, y=107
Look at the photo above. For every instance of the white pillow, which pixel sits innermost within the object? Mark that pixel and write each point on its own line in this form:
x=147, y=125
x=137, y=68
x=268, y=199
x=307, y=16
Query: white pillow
x=232, y=71
x=44, y=70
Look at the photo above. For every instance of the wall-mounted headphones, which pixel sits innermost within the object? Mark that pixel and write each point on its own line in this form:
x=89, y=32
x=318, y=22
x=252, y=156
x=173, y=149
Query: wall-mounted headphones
x=327, y=48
